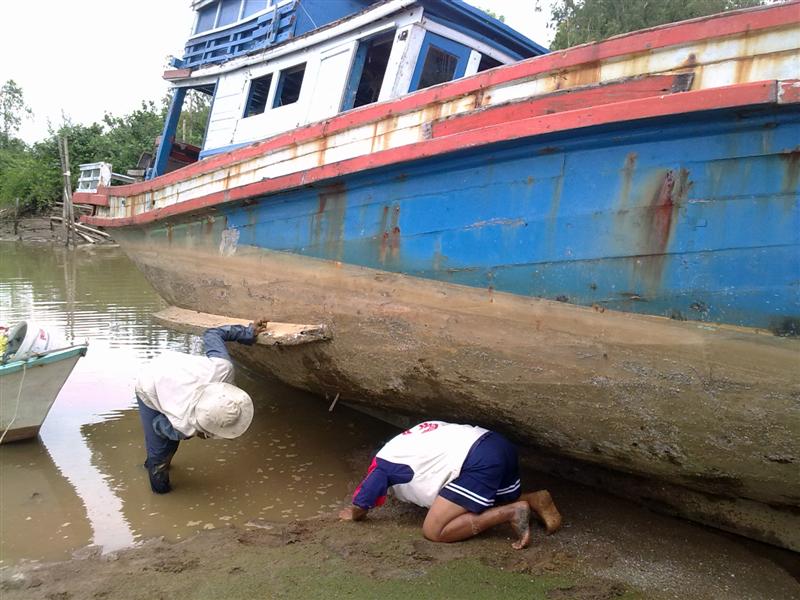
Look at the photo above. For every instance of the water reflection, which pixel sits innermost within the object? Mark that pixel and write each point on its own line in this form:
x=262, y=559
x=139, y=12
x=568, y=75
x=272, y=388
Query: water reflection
x=83, y=481
x=40, y=509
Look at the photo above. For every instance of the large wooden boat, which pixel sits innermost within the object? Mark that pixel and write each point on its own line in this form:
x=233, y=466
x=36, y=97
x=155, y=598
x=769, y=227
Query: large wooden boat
x=594, y=250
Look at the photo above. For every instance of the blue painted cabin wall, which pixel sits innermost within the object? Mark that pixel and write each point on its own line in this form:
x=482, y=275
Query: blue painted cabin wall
x=583, y=218
x=313, y=14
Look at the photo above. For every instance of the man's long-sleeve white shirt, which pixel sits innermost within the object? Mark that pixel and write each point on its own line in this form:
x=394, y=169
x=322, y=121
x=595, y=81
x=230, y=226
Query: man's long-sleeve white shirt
x=172, y=383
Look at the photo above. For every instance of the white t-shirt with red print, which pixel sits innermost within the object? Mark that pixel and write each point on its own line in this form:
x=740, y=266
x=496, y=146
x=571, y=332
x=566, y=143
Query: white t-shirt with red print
x=431, y=453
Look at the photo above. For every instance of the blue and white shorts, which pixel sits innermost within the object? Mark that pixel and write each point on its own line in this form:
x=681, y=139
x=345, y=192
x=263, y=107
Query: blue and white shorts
x=489, y=476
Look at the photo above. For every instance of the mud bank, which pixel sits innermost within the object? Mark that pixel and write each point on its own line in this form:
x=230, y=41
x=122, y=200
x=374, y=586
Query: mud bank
x=607, y=549
x=34, y=230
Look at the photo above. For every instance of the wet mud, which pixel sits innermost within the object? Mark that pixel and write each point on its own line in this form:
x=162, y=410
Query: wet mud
x=607, y=549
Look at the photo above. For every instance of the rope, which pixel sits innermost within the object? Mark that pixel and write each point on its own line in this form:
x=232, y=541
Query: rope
x=19, y=395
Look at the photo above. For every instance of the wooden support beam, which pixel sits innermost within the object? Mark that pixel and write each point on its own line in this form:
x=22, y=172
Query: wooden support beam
x=90, y=234
x=277, y=334
x=91, y=230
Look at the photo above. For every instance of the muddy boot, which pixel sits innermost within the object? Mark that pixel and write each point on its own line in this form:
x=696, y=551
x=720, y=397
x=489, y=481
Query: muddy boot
x=159, y=477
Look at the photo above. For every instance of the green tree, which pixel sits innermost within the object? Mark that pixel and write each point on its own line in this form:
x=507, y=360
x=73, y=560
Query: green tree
x=33, y=174
x=194, y=118
x=126, y=137
x=12, y=111
x=579, y=21
x=29, y=174
x=491, y=13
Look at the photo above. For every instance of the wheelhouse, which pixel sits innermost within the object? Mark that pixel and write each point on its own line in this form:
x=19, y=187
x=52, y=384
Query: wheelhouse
x=270, y=66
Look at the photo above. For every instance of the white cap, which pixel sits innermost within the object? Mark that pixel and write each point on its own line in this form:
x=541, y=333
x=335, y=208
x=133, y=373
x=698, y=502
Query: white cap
x=223, y=410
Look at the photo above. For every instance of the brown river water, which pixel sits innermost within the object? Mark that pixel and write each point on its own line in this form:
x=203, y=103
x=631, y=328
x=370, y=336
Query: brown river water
x=82, y=482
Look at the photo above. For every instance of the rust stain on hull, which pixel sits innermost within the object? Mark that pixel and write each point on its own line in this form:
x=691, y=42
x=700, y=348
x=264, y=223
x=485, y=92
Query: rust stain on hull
x=389, y=233
x=660, y=220
x=327, y=224
x=791, y=176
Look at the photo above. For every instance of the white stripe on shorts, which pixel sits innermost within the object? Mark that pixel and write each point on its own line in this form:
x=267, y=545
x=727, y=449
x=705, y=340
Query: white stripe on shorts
x=509, y=489
x=469, y=494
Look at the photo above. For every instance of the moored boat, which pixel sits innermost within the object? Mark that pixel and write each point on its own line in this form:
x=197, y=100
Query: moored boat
x=32, y=374
x=596, y=250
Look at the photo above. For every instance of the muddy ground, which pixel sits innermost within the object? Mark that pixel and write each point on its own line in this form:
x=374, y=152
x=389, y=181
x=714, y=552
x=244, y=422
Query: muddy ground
x=36, y=229
x=608, y=548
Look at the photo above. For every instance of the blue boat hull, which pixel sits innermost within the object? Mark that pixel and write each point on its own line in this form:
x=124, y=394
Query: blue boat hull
x=693, y=219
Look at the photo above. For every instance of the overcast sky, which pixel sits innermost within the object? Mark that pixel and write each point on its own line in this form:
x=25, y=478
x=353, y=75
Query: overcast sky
x=86, y=57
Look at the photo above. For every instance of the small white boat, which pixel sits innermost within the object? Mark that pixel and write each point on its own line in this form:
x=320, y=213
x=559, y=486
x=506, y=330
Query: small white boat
x=30, y=381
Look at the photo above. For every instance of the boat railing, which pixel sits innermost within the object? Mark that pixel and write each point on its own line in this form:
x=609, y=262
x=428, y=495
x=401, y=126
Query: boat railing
x=33, y=357
x=260, y=32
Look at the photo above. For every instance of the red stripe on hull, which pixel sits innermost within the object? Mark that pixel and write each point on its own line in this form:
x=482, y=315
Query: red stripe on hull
x=485, y=131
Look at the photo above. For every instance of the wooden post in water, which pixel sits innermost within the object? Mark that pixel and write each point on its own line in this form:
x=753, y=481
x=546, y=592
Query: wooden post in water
x=16, y=215
x=68, y=184
x=67, y=212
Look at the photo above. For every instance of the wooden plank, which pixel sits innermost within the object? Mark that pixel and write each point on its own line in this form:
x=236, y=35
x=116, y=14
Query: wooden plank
x=277, y=334
x=90, y=198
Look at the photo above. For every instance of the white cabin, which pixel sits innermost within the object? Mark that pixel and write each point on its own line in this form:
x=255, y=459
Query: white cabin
x=275, y=65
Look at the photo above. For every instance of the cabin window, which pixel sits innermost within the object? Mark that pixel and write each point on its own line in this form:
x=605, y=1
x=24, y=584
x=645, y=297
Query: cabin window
x=439, y=66
x=206, y=17
x=229, y=12
x=289, y=84
x=368, y=71
x=251, y=7
x=487, y=62
x=440, y=60
x=225, y=12
x=257, y=96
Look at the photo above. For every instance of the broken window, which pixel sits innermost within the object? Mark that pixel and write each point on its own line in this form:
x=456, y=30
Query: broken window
x=289, y=84
x=440, y=60
x=440, y=66
x=487, y=62
x=369, y=69
x=195, y=113
x=257, y=96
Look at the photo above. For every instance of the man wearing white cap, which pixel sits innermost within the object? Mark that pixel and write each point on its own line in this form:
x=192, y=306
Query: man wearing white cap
x=181, y=396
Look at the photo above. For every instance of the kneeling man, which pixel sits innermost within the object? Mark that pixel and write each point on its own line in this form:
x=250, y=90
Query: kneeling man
x=467, y=476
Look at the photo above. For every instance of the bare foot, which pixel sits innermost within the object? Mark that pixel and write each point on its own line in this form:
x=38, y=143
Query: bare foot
x=521, y=522
x=544, y=508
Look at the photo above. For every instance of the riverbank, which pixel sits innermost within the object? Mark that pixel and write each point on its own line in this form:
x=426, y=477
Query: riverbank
x=36, y=229
x=608, y=548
